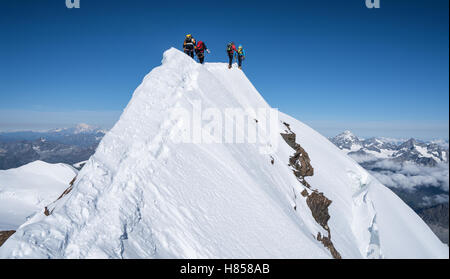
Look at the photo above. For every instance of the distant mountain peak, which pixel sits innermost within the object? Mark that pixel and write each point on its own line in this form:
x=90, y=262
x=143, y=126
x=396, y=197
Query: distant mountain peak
x=346, y=140
x=84, y=128
x=347, y=133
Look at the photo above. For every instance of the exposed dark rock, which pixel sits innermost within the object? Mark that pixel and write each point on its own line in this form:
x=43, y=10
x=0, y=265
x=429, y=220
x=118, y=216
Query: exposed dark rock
x=72, y=181
x=287, y=126
x=319, y=204
x=290, y=139
x=316, y=201
x=67, y=191
x=327, y=243
x=301, y=162
x=304, y=193
x=4, y=235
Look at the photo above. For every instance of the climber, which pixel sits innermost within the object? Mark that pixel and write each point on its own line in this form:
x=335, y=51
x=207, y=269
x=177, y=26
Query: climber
x=189, y=45
x=200, y=51
x=231, y=48
x=240, y=56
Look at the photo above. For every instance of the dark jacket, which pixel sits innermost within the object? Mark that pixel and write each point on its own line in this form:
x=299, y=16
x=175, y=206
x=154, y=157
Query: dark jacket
x=189, y=43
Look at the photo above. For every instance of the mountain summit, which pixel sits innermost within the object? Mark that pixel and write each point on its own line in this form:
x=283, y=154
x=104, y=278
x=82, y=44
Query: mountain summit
x=347, y=140
x=164, y=184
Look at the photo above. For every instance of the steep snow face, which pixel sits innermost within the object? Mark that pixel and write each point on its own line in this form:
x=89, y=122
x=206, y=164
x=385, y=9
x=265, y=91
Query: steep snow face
x=28, y=189
x=145, y=194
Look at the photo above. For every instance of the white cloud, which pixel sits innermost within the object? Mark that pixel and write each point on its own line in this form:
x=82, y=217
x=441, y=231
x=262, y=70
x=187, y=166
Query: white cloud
x=388, y=165
x=363, y=158
x=409, y=175
x=436, y=199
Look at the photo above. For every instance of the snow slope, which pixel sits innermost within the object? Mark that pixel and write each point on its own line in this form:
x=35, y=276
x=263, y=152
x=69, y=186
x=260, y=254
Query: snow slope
x=145, y=195
x=29, y=188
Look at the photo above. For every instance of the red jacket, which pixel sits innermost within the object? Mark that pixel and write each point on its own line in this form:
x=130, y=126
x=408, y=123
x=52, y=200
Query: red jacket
x=201, y=47
x=233, y=48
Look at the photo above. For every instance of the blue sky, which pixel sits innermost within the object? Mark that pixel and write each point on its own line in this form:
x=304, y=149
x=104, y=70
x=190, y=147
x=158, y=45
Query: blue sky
x=335, y=64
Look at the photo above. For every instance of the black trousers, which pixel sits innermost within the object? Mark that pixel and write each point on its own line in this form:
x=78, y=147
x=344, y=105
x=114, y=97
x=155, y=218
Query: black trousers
x=201, y=57
x=240, y=59
x=230, y=59
x=189, y=51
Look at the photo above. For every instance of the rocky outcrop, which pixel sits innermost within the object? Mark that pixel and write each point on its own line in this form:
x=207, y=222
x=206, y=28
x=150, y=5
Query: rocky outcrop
x=301, y=164
x=300, y=161
x=47, y=212
x=4, y=235
x=326, y=241
x=317, y=202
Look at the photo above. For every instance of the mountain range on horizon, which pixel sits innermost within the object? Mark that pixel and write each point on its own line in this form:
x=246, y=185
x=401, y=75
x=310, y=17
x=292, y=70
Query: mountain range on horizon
x=421, y=152
x=85, y=128
x=64, y=145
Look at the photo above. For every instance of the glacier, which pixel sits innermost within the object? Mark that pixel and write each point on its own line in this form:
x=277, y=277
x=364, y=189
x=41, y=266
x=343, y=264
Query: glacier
x=145, y=195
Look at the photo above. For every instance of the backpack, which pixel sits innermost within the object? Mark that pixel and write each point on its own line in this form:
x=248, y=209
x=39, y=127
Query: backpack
x=229, y=47
x=200, y=45
x=189, y=41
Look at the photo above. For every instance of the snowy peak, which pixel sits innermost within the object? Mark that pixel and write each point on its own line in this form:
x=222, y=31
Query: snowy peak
x=84, y=128
x=409, y=144
x=162, y=184
x=347, y=140
x=347, y=135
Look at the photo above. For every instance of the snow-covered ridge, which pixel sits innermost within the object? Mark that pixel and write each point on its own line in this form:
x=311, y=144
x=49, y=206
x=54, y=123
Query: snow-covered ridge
x=142, y=195
x=28, y=189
